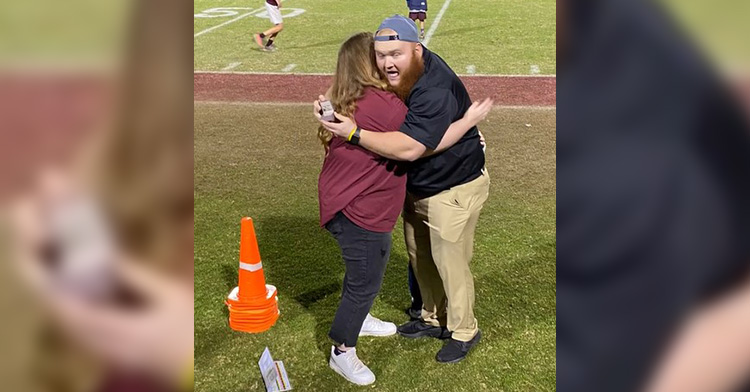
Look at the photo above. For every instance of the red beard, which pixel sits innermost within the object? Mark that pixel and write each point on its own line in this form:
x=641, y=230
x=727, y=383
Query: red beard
x=409, y=77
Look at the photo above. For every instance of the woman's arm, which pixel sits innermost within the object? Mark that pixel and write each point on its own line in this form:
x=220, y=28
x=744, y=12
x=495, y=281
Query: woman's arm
x=476, y=113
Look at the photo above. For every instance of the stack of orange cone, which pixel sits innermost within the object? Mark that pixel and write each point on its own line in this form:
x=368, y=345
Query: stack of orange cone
x=253, y=305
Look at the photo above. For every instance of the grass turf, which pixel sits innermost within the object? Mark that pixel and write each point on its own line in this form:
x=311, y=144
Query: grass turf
x=262, y=160
x=495, y=37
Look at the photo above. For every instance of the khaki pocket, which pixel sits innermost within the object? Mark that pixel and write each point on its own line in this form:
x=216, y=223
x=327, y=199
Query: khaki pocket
x=447, y=216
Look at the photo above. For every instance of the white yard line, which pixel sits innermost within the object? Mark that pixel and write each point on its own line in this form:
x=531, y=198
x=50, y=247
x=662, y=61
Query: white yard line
x=210, y=29
x=261, y=73
x=231, y=66
x=288, y=68
x=434, y=25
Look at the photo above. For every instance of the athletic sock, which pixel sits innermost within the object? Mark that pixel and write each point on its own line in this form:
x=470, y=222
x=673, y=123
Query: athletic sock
x=337, y=351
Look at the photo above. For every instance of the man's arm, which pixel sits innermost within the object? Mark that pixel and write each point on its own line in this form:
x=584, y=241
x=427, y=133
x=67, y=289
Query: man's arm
x=392, y=145
x=401, y=146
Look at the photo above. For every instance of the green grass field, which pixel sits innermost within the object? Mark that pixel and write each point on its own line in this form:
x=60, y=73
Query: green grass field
x=245, y=167
x=488, y=36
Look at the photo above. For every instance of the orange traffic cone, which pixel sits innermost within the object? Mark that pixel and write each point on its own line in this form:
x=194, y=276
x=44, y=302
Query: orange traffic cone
x=253, y=305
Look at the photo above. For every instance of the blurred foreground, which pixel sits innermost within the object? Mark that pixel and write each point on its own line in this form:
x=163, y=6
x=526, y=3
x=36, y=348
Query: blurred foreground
x=653, y=196
x=96, y=212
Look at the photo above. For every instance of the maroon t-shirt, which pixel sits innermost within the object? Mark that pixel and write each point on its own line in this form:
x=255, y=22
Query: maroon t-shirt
x=368, y=188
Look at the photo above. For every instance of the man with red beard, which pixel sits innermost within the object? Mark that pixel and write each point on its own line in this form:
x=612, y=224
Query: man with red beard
x=445, y=191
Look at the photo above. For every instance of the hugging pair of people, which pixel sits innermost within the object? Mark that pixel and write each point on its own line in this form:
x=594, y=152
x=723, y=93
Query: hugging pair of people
x=404, y=141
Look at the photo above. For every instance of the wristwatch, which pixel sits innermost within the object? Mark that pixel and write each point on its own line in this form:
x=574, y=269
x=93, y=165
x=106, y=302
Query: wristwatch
x=354, y=138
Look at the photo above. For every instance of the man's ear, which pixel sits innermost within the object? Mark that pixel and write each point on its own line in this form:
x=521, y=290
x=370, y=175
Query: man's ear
x=418, y=49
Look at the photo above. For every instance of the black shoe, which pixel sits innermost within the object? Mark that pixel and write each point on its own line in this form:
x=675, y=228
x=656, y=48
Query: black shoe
x=418, y=328
x=455, y=350
x=414, y=314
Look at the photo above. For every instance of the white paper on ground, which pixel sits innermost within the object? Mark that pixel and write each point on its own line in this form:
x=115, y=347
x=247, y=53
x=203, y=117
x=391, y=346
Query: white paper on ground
x=274, y=374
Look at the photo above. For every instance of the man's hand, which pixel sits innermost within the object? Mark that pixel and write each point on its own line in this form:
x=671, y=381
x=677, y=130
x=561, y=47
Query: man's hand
x=342, y=128
x=478, y=111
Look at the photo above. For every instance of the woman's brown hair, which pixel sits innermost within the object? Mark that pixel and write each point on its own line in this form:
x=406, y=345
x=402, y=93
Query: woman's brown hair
x=355, y=70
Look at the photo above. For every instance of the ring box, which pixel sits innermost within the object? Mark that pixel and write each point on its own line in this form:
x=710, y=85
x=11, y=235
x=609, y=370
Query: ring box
x=327, y=111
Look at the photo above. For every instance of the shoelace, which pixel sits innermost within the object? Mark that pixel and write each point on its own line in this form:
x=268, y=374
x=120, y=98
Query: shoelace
x=368, y=324
x=355, y=362
x=373, y=323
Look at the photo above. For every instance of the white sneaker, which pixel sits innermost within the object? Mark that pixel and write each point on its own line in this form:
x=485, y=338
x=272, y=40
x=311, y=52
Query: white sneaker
x=350, y=367
x=376, y=327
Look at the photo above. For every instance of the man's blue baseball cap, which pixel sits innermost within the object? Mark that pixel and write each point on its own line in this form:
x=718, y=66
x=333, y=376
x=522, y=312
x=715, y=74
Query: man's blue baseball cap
x=405, y=29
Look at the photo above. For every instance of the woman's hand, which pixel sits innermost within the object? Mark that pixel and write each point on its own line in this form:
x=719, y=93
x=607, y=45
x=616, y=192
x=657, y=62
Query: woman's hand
x=155, y=338
x=316, y=106
x=342, y=128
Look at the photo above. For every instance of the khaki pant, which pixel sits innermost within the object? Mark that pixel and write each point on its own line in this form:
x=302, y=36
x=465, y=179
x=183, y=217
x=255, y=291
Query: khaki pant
x=439, y=233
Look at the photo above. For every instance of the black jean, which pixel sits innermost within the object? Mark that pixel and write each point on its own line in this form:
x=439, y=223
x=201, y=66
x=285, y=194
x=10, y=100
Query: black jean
x=365, y=255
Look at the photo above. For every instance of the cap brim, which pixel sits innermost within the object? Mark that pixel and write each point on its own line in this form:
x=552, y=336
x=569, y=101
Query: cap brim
x=387, y=37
